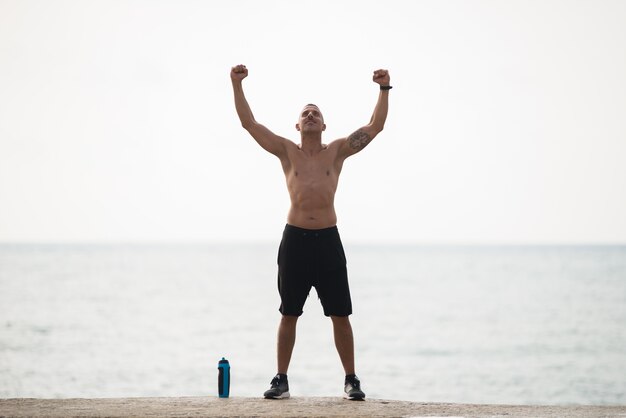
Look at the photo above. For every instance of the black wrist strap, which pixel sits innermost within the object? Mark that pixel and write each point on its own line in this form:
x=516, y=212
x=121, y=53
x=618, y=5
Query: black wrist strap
x=386, y=87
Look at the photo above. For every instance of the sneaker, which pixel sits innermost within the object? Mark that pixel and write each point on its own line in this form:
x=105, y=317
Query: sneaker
x=279, y=388
x=352, y=388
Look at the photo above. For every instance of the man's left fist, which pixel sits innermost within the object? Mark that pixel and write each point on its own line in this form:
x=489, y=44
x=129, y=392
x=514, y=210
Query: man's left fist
x=381, y=77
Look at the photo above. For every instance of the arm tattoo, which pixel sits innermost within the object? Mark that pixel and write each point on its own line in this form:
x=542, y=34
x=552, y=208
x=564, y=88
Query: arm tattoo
x=359, y=139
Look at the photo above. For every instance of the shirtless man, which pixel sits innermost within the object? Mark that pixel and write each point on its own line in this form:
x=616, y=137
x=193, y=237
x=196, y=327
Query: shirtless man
x=311, y=253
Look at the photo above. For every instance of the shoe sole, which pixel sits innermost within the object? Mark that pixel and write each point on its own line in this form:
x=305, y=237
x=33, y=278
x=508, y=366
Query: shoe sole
x=283, y=395
x=353, y=398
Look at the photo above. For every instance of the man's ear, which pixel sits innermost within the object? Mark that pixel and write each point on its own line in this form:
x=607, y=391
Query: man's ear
x=323, y=127
x=298, y=127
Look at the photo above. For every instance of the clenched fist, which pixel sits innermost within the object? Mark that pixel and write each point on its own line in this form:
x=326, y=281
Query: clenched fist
x=238, y=72
x=381, y=77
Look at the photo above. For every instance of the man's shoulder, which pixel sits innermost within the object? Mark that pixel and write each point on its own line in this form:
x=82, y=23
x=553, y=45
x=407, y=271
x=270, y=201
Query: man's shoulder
x=338, y=148
x=336, y=144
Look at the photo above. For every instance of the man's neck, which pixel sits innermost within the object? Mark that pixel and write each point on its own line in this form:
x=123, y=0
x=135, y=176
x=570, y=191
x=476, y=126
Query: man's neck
x=311, y=143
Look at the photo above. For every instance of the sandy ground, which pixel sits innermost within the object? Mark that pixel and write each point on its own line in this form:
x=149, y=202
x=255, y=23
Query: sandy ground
x=294, y=407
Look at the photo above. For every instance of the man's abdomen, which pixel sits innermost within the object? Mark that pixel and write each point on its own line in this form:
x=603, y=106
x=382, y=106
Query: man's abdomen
x=312, y=218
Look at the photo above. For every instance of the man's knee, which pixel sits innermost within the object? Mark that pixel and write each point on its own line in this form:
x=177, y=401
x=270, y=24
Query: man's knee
x=342, y=321
x=288, y=320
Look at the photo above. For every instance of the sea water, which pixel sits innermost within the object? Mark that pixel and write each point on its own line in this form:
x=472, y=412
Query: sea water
x=523, y=325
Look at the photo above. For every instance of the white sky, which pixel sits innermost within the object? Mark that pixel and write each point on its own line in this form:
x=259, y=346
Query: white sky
x=507, y=119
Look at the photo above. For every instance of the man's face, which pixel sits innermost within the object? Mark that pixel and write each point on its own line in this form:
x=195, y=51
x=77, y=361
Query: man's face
x=311, y=119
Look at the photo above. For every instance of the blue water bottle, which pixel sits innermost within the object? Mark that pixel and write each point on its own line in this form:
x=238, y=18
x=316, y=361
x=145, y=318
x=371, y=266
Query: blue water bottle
x=223, y=379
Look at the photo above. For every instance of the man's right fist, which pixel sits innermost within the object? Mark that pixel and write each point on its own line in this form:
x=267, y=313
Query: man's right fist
x=238, y=72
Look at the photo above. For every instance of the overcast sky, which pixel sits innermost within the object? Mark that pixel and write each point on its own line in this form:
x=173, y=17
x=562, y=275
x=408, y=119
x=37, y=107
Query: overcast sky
x=507, y=119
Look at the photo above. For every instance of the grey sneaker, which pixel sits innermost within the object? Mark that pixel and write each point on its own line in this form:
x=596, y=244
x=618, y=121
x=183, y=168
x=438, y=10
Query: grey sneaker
x=352, y=388
x=279, y=388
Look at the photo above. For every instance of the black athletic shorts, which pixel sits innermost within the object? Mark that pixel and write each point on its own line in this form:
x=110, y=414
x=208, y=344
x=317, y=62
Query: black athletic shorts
x=313, y=258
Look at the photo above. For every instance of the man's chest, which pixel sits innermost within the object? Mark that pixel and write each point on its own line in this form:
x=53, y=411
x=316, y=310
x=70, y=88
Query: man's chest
x=320, y=168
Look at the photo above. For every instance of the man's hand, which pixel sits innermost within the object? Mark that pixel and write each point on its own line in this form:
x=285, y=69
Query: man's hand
x=381, y=77
x=238, y=72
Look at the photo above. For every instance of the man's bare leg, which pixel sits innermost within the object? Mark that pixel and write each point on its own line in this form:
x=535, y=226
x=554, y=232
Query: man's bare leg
x=286, y=341
x=284, y=347
x=344, y=341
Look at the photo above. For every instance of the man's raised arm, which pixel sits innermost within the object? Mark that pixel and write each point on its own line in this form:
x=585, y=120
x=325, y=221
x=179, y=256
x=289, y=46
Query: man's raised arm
x=363, y=136
x=264, y=137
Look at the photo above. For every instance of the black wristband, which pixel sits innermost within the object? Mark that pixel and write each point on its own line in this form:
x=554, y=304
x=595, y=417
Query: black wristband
x=386, y=87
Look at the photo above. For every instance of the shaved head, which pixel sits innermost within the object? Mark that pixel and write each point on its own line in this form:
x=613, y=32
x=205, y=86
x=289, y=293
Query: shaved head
x=315, y=106
x=311, y=119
